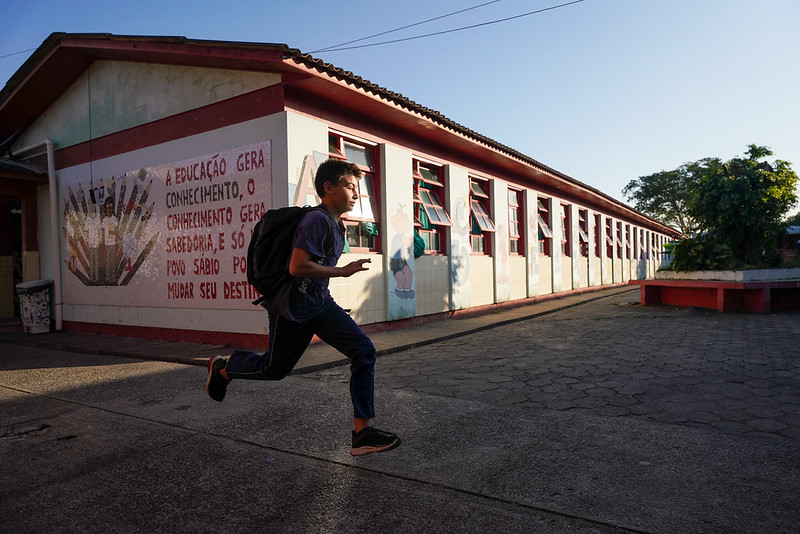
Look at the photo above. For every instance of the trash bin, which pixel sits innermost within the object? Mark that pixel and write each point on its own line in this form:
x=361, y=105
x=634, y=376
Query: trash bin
x=34, y=306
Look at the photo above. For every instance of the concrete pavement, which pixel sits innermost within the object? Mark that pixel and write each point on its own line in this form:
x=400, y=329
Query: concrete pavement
x=591, y=415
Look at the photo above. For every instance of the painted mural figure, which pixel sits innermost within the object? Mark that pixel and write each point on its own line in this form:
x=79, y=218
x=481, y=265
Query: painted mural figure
x=103, y=232
x=109, y=227
x=296, y=315
x=403, y=245
x=91, y=232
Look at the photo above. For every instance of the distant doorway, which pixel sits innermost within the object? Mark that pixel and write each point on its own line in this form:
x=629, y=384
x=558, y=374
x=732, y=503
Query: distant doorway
x=10, y=256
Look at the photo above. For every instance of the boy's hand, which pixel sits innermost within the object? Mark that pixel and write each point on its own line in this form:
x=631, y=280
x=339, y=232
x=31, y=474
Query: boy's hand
x=354, y=267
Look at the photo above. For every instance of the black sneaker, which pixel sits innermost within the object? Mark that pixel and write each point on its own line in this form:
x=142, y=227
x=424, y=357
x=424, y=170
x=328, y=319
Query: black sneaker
x=373, y=440
x=216, y=385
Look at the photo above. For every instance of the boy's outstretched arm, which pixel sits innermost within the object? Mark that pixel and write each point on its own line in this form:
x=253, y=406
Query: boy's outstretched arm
x=302, y=265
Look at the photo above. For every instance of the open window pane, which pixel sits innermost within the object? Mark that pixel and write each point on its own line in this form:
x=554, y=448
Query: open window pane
x=477, y=190
x=357, y=154
x=429, y=176
x=364, y=209
x=334, y=146
x=433, y=208
x=366, y=198
x=512, y=199
x=544, y=228
x=481, y=217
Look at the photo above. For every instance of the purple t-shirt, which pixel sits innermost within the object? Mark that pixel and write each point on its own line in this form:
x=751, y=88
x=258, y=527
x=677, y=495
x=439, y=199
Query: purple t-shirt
x=307, y=296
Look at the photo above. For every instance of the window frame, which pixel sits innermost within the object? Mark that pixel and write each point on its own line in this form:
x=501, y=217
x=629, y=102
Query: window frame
x=628, y=240
x=598, y=233
x=545, y=234
x=516, y=241
x=583, y=232
x=609, y=231
x=481, y=225
x=566, y=238
x=429, y=190
x=337, y=149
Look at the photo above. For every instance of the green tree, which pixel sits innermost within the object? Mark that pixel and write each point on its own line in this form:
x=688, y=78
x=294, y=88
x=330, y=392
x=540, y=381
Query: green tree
x=664, y=196
x=742, y=203
x=794, y=220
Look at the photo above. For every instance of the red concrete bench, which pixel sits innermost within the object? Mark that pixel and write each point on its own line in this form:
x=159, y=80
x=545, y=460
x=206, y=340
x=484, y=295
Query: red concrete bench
x=760, y=297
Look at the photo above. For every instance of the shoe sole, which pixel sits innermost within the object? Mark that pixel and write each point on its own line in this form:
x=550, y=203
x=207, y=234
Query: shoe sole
x=361, y=451
x=210, y=372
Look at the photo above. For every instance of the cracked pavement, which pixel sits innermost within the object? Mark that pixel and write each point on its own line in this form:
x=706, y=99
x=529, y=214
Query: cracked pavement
x=737, y=373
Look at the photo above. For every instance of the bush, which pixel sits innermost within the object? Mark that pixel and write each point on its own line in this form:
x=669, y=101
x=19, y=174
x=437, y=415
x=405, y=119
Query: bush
x=702, y=253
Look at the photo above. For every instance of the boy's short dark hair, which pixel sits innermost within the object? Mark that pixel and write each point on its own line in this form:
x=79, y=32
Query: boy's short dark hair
x=333, y=170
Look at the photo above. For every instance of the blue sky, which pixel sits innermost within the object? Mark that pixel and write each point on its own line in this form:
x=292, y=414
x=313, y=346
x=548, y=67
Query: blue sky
x=603, y=90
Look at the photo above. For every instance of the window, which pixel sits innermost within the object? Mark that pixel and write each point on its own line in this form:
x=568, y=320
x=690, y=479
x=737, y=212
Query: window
x=565, y=234
x=583, y=232
x=481, y=224
x=361, y=224
x=609, y=238
x=598, y=230
x=545, y=234
x=430, y=217
x=640, y=245
x=628, y=240
x=619, y=240
x=515, y=244
x=653, y=245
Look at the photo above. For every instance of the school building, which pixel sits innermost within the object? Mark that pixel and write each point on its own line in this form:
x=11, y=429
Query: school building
x=132, y=171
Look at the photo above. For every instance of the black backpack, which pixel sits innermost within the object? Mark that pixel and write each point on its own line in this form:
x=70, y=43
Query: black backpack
x=270, y=250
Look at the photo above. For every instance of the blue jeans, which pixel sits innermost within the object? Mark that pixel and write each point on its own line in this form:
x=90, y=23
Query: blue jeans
x=289, y=339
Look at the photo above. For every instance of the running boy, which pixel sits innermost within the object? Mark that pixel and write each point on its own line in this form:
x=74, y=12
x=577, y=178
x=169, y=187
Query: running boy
x=305, y=308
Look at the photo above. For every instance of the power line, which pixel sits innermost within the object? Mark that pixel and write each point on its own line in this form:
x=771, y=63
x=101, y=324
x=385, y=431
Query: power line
x=17, y=53
x=331, y=49
x=404, y=27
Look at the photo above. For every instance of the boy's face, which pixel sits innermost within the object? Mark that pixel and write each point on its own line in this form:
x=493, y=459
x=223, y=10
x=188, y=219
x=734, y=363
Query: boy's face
x=343, y=195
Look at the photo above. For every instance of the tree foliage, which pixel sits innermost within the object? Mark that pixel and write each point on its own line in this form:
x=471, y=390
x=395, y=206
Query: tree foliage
x=734, y=211
x=742, y=203
x=664, y=196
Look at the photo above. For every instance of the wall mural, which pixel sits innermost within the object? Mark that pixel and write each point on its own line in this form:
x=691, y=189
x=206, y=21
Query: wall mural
x=106, y=231
x=174, y=235
x=400, y=278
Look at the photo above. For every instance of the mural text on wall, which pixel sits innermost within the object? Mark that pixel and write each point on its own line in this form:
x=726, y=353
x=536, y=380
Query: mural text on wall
x=173, y=235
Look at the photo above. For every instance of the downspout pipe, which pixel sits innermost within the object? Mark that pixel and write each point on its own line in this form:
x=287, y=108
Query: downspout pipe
x=55, y=242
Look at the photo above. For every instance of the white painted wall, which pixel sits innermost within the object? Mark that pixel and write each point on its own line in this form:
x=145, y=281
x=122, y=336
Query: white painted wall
x=519, y=287
x=248, y=319
x=460, y=257
x=557, y=259
x=530, y=228
x=501, y=259
x=126, y=94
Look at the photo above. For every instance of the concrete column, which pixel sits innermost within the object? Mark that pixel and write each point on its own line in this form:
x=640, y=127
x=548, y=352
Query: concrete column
x=575, y=246
x=555, y=250
x=457, y=204
x=499, y=214
x=606, y=271
x=626, y=252
x=397, y=214
x=530, y=229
